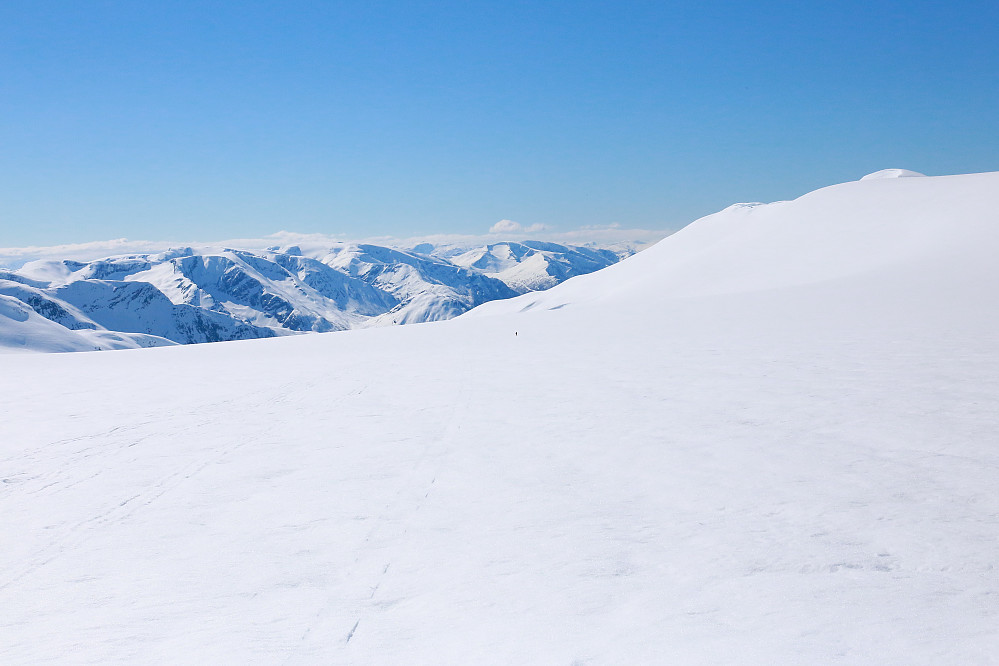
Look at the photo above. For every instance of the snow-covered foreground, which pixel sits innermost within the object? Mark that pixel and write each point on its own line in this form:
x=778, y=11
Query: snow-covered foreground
x=772, y=438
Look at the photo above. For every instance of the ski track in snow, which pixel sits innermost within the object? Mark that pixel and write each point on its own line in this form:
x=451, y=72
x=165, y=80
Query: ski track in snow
x=389, y=526
x=105, y=447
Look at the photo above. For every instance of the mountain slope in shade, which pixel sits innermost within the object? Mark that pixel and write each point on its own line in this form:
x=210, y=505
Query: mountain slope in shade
x=24, y=329
x=48, y=306
x=771, y=438
x=139, y=307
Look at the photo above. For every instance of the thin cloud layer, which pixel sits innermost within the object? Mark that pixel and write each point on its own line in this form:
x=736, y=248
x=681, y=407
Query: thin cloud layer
x=511, y=227
x=505, y=230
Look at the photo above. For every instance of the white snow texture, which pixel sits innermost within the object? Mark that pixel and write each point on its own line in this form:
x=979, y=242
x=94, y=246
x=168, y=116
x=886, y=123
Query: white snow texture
x=771, y=438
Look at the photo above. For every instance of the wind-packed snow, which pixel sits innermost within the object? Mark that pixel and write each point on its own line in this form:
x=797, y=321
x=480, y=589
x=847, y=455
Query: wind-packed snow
x=771, y=438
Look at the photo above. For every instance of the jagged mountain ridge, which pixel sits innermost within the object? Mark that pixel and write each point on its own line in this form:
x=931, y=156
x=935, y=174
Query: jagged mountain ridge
x=534, y=265
x=193, y=295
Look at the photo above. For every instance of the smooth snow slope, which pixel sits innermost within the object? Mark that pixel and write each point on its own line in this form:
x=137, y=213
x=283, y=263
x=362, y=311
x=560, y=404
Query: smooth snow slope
x=784, y=453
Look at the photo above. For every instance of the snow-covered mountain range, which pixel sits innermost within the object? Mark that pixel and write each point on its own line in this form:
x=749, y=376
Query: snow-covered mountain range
x=771, y=438
x=191, y=295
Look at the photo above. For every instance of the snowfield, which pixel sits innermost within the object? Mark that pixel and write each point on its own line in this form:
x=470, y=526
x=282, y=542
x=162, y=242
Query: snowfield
x=771, y=438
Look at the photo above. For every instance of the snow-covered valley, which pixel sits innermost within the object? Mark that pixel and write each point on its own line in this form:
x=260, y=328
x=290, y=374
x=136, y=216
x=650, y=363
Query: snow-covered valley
x=771, y=438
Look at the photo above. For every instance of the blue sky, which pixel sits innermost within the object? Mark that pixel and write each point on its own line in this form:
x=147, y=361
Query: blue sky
x=207, y=120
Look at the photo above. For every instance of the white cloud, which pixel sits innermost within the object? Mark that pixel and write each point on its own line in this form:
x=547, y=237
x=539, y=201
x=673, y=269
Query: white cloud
x=14, y=257
x=505, y=227
x=601, y=227
x=511, y=227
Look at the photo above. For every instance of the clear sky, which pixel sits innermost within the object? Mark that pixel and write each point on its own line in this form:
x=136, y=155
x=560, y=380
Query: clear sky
x=204, y=120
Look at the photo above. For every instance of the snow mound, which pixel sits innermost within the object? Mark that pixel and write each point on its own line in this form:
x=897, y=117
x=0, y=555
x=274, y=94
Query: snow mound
x=914, y=229
x=893, y=173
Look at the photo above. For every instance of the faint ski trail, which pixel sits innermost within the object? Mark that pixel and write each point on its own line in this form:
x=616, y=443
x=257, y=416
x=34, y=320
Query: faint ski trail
x=396, y=514
x=75, y=535
x=120, y=508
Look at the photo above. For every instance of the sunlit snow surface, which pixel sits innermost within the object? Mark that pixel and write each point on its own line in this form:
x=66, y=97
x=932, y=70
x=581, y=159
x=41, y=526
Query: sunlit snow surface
x=772, y=438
